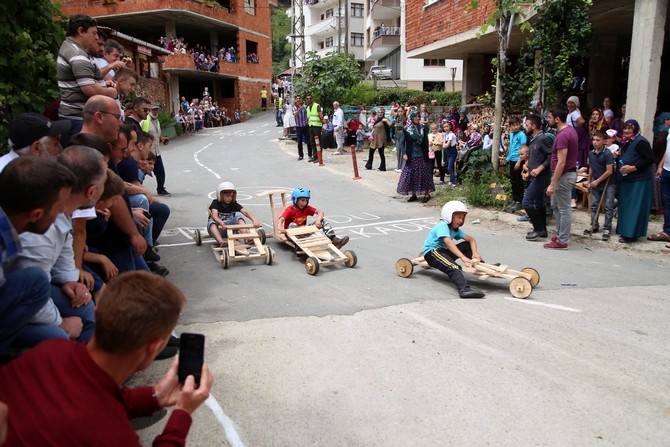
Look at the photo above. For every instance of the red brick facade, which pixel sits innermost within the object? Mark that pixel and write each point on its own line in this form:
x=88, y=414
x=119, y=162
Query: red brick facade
x=442, y=19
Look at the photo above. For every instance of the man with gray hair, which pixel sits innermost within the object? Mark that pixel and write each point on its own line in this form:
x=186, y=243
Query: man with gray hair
x=34, y=134
x=338, y=128
x=53, y=253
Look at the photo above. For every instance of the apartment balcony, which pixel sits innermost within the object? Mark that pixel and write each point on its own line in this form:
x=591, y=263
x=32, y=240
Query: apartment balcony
x=317, y=5
x=384, y=9
x=183, y=64
x=323, y=27
x=384, y=41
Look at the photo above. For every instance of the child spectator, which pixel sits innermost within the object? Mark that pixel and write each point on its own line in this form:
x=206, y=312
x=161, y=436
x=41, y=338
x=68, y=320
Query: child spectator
x=522, y=163
x=441, y=251
x=225, y=210
x=435, y=146
x=297, y=214
x=516, y=139
x=360, y=136
x=601, y=167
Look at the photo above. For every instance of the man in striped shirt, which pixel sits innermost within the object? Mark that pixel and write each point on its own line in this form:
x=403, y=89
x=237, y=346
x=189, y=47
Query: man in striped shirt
x=301, y=128
x=78, y=76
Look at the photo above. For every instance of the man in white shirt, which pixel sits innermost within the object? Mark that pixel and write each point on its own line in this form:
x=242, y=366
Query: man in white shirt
x=338, y=128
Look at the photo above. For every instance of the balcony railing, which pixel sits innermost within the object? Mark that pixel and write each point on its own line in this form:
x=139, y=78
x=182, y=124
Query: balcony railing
x=386, y=31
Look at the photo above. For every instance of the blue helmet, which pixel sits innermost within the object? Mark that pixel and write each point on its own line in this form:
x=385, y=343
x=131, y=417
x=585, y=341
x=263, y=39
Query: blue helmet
x=298, y=193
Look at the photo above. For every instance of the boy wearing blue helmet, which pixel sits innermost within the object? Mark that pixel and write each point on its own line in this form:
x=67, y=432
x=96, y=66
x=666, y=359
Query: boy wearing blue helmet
x=441, y=251
x=297, y=214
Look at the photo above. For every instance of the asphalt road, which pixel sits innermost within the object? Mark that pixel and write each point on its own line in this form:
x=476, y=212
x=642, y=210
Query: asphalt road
x=362, y=357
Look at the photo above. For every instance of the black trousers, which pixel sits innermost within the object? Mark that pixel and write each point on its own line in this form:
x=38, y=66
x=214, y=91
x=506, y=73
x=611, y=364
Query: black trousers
x=516, y=180
x=445, y=261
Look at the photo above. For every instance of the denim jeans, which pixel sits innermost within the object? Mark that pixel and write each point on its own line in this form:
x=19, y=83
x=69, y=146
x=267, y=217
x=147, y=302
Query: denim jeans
x=607, y=197
x=449, y=164
x=560, y=202
x=141, y=201
x=86, y=312
x=24, y=292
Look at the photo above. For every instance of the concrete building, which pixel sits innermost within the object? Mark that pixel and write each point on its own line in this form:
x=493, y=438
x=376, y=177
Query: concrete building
x=629, y=44
x=244, y=25
x=332, y=26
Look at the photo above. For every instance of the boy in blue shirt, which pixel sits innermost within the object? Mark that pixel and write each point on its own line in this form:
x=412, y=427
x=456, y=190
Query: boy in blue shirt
x=441, y=251
x=601, y=167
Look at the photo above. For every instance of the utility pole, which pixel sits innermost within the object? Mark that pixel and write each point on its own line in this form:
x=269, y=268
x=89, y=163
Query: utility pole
x=339, y=26
x=297, y=36
x=346, y=27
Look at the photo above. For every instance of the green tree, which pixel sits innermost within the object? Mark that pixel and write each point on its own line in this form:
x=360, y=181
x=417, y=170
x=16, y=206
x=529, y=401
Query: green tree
x=505, y=14
x=281, y=47
x=32, y=31
x=328, y=78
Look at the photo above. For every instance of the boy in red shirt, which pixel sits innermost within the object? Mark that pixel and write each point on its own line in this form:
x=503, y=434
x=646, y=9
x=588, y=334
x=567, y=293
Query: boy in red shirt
x=297, y=214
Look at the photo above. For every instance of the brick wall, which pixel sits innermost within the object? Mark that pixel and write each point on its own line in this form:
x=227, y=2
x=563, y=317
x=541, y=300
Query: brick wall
x=155, y=90
x=441, y=20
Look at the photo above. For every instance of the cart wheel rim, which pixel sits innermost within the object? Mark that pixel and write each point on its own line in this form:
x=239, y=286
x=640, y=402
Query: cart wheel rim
x=534, y=275
x=268, y=255
x=224, y=259
x=404, y=267
x=312, y=265
x=261, y=233
x=352, y=259
x=520, y=287
x=198, y=238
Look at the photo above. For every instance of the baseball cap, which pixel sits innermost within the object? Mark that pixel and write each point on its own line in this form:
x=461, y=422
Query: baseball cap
x=27, y=128
x=154, y=106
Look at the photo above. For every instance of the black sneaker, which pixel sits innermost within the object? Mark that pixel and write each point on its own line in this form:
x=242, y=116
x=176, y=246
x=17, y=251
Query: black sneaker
x=158, y=269
x=164, y=193
x=173, y=341
x=151, y=256
x=469, y=292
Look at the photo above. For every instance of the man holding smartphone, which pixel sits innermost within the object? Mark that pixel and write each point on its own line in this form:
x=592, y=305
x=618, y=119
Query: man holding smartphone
x=135, y=316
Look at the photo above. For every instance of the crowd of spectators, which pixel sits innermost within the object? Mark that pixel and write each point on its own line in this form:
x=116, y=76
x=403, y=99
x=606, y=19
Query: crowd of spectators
x=203, y=57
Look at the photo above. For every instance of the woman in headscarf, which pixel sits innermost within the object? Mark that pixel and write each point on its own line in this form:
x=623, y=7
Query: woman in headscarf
x=634, y=175
x=380, y=135
x=574, y=118
x=597, y=121
x=416, y=177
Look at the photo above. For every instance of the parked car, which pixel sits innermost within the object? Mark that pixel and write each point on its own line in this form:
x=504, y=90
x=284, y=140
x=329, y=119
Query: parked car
x=380, y=72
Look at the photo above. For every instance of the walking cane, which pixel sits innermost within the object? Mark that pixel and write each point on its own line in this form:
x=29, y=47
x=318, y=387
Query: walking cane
x=600, y=204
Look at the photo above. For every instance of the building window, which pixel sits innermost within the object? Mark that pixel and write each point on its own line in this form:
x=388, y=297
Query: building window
x=356, y=39
x=252, y=51
x=329, y=42
x=329, y=13
x=357, y=10
x=250, y=7
x=433, y=62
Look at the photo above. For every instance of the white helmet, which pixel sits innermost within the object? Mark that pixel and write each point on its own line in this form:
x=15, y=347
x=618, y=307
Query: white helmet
x=449, y=208
x=226, y=186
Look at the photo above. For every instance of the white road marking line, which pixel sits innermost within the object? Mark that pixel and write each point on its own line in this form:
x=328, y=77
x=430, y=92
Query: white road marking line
x=227, y=423
x=540, y=303
x=376, y=224
x=182, y=231
x=197, y=161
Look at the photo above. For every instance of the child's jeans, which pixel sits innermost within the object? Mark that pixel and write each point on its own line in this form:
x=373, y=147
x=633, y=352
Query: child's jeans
x=608, y=204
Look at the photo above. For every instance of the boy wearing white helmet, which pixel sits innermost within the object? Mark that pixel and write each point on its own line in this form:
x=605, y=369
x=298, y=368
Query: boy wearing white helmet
x=441, y=251
x=225, y=210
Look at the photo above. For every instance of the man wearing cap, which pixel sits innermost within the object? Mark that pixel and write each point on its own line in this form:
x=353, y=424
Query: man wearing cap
x=78, y=76
x=151, y=125
x=34, y=134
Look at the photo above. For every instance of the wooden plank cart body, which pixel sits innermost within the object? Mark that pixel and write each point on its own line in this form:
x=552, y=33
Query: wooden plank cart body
x=239, y=246
x=306, y=240
x=521, y=282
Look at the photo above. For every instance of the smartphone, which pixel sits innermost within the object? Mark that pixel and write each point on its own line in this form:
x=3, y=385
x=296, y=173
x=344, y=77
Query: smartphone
x=191, y=356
